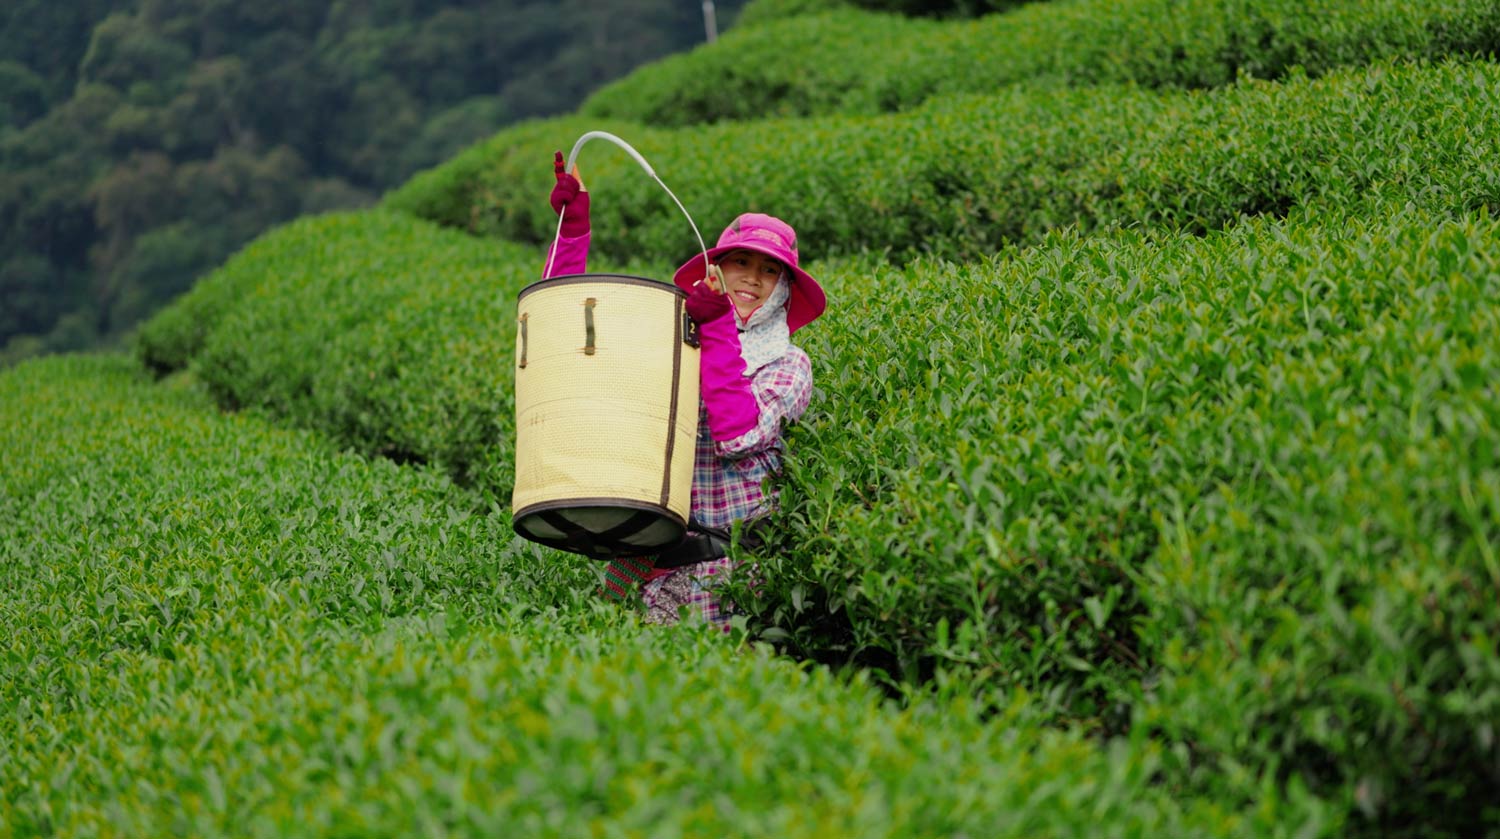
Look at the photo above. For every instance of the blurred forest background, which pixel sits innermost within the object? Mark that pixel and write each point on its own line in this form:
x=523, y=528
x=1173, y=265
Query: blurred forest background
x=143, y=141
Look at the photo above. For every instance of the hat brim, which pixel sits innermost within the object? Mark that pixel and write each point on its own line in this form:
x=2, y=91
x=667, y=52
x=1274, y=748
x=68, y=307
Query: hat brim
x=805, y=303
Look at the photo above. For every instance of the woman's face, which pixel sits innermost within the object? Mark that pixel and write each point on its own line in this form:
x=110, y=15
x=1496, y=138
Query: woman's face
x=749, y=279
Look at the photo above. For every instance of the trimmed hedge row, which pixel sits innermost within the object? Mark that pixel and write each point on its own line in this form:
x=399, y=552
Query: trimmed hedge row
x=289, y=254
x=384, y=332
x=139, y=517
x=1005, y=457
x=761, y=12
x=862, y=62
x=966, y=176
x=171, y=338
x=491, y=187
x=217, y=628
x=1241, y=491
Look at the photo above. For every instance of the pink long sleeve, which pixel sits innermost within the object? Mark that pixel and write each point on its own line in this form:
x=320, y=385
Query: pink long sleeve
x=782, y=391
x=567, y=255
x=727, y=398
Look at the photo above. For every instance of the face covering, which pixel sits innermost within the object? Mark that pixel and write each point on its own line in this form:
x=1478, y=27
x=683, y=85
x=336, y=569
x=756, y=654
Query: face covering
x=765, y=336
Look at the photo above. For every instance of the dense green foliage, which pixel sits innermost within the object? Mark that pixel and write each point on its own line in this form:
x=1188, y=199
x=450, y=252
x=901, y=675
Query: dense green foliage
x=218, y=628
x=855, y=61
x=389, y=334
x=41, y=44
x=1151, y=469
x=1242, y=489
x=143, y=141
x=1010, y=474
x=957, y=178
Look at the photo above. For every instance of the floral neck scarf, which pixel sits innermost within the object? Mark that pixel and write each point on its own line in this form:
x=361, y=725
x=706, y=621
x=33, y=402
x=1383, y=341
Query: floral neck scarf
x=765, y=336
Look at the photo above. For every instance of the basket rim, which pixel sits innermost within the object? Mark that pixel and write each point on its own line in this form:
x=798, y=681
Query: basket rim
x=576, y=279
x=576, y=502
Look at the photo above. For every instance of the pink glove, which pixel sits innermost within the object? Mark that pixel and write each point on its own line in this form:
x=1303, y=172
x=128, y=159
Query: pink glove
x=731, y=406
x=569, y=193
x=704, y=304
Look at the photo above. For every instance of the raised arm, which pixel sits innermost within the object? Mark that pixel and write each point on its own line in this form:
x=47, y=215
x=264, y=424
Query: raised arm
x=569, y=253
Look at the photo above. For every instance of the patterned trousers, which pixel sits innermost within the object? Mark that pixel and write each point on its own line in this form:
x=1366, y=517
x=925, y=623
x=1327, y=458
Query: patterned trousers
x=665, y=593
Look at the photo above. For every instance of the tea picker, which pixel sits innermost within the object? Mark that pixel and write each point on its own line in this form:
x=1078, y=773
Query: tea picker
x=603, y=467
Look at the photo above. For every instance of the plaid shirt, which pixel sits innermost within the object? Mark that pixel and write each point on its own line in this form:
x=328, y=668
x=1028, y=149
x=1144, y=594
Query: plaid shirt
x=728, y=475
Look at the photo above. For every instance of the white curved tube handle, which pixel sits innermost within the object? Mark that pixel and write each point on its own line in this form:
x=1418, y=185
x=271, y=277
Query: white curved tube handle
x=605, y=135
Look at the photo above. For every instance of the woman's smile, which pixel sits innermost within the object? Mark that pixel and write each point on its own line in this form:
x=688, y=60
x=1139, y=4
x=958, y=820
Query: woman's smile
x=749, y=279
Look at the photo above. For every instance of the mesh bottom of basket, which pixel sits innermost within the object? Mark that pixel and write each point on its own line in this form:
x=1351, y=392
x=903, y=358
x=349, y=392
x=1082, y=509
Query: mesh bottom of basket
x=601, y=532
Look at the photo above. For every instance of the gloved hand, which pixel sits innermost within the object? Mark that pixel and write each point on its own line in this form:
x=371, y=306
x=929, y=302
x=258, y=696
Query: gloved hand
x=727, y=398
x=705, y=304
x=570, y=200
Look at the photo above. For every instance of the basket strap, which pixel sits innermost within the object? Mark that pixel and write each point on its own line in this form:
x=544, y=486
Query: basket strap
x=704, y=543
x=578, y=540
x=588, y=324
x=629, y=527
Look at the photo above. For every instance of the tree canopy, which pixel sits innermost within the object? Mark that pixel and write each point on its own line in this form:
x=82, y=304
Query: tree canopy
x=143, y=141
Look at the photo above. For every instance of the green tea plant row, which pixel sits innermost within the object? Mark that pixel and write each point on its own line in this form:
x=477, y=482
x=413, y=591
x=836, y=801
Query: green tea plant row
x=862, y=62
x=492, y=188
x=965, y=176
x=388, y=334
x=138, y=517
x=1003, y=481
x=1242, y=491
x=759, y=12
x=171, y=339
x=217, y=628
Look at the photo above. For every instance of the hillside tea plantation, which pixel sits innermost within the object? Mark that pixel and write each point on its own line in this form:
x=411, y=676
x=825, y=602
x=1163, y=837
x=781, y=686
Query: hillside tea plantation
x=958, y=177
x=1150, y=485
x=177, y=579
x=853, y=61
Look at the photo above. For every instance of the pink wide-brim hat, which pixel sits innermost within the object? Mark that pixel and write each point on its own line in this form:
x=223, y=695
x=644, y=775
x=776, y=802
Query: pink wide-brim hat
x=775, y=238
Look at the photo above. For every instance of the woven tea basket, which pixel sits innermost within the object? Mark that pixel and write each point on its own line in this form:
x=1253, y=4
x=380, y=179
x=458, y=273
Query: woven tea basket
x=606, y=414
x=606, y=409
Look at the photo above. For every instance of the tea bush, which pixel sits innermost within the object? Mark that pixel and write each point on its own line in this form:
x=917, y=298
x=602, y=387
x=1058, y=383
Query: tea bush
x=281, y=259
x=387, y=333
x=1240, y=490
x=476, y=190
x=219, y=628
x=862, y=62
x=804, y=65
x=169, y=340
x=1004, y=456
x=761, y=12
x=1194, y=453
x=965, y=176
x=139, y=517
